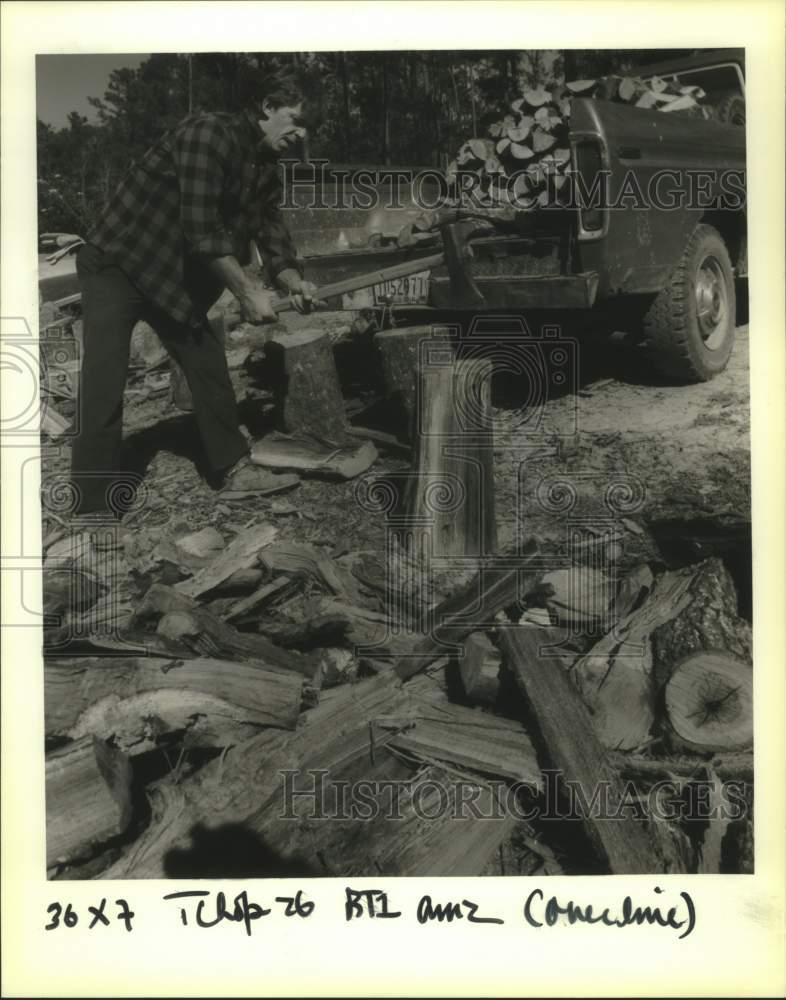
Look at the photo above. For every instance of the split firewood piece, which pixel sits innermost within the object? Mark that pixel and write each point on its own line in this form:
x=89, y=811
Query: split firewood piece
x=615, y=678
x=732, y=766
x=479, y=667
x=582, y=596
x=309, y=454
x=264, y=595
x=207, y=635
x=382, y=438
x=242, y=581
x=709, y=703
x=182, y=620
x=53, y=424
x=469, y=740
x=720, y=810
x=571, y=745
x=366, y=627
x=497, y=586
x=200, y=547
x=241, y=553
x=633, y=590
x=400, y=351
x=455, y=842
x=247, y=784
x=147, y=351
x=451, y=489
x=179, y=392
x=302, y=372
x=88, y=798
x=306, y=562
x=135, y=702
x=128, y=642
x=306, y=633
x=67, y=589
x=339, y=666
x=617, y=688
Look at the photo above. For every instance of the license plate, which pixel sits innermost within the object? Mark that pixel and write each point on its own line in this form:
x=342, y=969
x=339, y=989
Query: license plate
x=412, y=290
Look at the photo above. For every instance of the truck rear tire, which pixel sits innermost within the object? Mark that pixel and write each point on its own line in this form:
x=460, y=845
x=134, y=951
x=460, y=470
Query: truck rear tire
x=690, y=325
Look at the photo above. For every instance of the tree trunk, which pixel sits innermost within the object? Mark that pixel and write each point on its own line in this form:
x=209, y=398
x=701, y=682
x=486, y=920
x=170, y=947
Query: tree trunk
x=88, y=798
x=347, y=130
x=385, y=109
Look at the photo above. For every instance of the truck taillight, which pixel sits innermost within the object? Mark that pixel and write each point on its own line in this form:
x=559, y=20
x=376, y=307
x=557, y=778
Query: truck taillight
x=590, y=184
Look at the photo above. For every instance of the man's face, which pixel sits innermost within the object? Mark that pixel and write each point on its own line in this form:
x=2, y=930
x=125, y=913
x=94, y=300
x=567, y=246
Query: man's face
x=283, y=128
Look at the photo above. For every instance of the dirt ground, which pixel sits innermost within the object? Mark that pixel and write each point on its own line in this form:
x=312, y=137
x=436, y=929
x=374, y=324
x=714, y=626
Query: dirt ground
x=621, y=454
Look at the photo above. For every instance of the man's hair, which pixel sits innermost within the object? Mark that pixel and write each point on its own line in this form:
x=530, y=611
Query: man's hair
x=282, y=89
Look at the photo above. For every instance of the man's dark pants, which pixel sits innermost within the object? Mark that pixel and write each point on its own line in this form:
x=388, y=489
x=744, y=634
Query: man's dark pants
x=111, y=305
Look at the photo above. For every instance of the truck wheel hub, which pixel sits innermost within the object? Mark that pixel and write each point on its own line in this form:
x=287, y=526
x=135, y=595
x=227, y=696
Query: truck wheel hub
x=711, y=302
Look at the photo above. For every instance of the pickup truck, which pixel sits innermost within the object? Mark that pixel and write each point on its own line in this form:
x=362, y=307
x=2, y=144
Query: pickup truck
x=658, y=246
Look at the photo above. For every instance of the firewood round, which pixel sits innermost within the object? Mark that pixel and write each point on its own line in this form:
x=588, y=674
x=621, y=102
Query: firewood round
x=709, y=702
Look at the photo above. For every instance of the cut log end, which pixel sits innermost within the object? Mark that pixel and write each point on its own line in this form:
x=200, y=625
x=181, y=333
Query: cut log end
x=709, y=703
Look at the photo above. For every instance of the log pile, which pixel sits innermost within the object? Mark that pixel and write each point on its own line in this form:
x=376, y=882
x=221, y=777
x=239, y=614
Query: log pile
x=264, y=670
x=525, y=159
x=319, y=681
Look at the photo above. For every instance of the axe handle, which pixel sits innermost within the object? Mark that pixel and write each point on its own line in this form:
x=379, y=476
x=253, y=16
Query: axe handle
x=371, y=278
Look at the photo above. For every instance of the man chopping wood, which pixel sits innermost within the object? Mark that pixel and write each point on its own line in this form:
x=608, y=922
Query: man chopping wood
x=176, y=233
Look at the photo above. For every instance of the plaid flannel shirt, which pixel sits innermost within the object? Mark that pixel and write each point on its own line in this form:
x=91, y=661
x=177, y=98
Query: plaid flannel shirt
x=204, y=190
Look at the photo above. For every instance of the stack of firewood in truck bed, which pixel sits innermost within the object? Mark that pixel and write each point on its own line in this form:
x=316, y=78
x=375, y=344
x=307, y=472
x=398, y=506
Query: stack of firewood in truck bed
x=273, y=707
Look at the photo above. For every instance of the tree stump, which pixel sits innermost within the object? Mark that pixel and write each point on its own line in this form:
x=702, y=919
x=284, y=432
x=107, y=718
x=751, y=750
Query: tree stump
x=400, y=352
x=302, y=373
x=88, y=798
x=709, y=703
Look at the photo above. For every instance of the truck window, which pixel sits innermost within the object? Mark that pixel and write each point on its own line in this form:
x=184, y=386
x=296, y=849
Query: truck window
x=717, y=82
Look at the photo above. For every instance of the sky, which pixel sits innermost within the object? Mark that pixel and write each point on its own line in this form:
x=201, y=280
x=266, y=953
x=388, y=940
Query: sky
x=64, y=82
